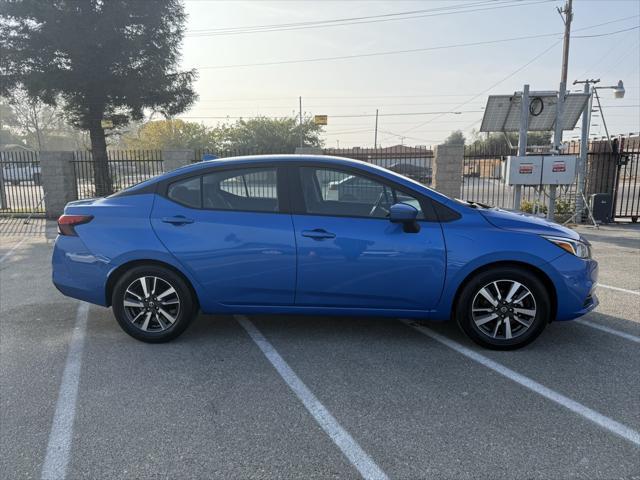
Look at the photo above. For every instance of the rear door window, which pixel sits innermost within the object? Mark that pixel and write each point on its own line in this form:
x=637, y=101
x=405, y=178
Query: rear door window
x=249, y=189
x=186, y=192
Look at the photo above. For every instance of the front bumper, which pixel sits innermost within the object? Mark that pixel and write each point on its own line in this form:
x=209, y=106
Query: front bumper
x=575, y=280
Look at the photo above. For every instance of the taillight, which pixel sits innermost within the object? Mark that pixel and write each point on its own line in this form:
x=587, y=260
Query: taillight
x=66, y=223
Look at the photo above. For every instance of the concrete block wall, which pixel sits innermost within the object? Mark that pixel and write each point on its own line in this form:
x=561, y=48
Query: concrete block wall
x=447, y=169
x=58, y=181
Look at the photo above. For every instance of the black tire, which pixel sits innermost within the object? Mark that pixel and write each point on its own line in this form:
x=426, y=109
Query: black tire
x=184, y=313
x=538, y=299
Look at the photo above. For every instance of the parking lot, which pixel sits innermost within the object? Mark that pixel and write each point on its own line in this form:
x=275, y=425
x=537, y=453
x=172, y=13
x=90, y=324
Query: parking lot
x=313, y=397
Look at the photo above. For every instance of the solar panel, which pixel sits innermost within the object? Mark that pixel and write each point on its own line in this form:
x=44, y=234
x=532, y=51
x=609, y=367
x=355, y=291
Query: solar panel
x=502, y=113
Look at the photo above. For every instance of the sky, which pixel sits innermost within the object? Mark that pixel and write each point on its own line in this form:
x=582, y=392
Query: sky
x=421, y=95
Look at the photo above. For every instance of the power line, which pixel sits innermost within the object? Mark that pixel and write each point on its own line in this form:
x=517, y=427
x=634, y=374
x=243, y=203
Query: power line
x=493, y=85
x=316, y=22
x=608, y=33
x=360, y=20
x=250, y=28
x=358, y=115
x=320, y=106
x=396, y=52
x=293, y=98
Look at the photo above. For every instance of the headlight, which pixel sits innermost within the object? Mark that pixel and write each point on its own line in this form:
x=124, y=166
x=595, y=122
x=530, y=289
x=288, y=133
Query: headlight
x=574, y=247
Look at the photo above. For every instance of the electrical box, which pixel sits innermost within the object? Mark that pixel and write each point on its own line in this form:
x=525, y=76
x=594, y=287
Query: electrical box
x=524, y=170
x=558, y=169
x=600, y=204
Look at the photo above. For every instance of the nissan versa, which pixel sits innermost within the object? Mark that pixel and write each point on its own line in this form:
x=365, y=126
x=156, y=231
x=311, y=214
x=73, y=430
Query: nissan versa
x=274, y=234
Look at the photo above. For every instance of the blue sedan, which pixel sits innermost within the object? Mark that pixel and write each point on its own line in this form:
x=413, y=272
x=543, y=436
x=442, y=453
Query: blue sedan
x=271, y=234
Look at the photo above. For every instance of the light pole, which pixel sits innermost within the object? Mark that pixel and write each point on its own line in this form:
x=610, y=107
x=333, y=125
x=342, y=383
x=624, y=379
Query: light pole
x=591, y=89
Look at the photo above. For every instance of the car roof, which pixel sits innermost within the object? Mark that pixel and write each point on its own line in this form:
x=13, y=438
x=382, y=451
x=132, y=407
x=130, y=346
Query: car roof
x=279, y=159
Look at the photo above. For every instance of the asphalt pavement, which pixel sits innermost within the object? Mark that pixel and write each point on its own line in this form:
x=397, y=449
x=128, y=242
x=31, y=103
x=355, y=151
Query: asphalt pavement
x=313, y=397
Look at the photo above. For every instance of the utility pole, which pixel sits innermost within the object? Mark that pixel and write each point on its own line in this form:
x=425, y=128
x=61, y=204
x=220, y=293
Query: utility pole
x=375, y=138
x=522, y=140
x=301, y=136
x=567, y=10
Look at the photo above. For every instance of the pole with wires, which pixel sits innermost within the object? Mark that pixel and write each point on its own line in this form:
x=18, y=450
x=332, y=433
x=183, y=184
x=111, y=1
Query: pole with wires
x=375, y=136
x=522, y=141
x=301, y=135
x=557, y=134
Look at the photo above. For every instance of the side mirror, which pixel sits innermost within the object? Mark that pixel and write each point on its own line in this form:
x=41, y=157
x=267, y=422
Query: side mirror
x=405, y=214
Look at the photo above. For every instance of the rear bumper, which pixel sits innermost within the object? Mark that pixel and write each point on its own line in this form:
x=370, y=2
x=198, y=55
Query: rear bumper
x=78, y=273
x=575, y=281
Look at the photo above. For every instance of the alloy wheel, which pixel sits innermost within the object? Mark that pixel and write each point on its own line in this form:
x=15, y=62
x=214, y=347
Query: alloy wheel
x=151, y=304
x=503, y=309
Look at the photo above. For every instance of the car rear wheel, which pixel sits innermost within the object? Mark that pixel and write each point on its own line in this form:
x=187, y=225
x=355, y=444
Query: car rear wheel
x=504, y=308
x=153, y=304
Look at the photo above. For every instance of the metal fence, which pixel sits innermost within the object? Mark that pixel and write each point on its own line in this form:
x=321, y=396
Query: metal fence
x=21, y=190
x=610, y=169
x=483, y=180
x=614, y=170
x=412, y=162
x=201, y=153
x=627, y=187
x=124, y=169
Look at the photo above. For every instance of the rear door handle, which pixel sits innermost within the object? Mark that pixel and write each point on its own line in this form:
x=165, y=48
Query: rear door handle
x=177, y=220
x=318, y=234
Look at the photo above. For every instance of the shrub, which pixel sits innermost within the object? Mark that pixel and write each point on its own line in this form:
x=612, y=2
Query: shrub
x=528, y=207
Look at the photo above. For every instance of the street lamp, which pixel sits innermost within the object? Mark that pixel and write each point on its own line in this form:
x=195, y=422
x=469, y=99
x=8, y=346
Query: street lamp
x=618, y=90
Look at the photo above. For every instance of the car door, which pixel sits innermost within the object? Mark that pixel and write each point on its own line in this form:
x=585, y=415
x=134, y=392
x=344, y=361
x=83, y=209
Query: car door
x=351, y=255
x=231, y=230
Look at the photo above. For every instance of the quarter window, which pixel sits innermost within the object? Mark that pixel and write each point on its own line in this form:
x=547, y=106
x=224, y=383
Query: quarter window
x=341, y=193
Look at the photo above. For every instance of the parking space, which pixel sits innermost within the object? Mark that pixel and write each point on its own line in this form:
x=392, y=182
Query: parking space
x=313, y=397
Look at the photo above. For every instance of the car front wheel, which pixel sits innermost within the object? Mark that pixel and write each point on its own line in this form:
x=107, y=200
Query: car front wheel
x=504, y=308
x=153, y=304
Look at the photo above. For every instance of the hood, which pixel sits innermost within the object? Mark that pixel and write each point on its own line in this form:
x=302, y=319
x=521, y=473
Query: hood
x=523, y=222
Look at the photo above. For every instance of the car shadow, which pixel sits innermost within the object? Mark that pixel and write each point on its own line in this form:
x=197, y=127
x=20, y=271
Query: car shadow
x=625, y=242
x=376, y=330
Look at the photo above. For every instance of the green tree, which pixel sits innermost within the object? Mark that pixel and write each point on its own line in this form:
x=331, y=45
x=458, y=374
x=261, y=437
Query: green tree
x=497, y=142
x=103, y=60
x=268, y=135
x=455, y=138
x=171, y=134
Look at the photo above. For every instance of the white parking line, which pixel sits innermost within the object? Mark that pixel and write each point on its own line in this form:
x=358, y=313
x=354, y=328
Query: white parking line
x=59, y=446
x=343, y=440
x=11, y=250
x=618, y=333
x=632, y=292
x=605, y=422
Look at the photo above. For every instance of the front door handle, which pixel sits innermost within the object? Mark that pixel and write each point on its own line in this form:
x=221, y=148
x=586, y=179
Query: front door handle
x=318, y=234
x=177, y=220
